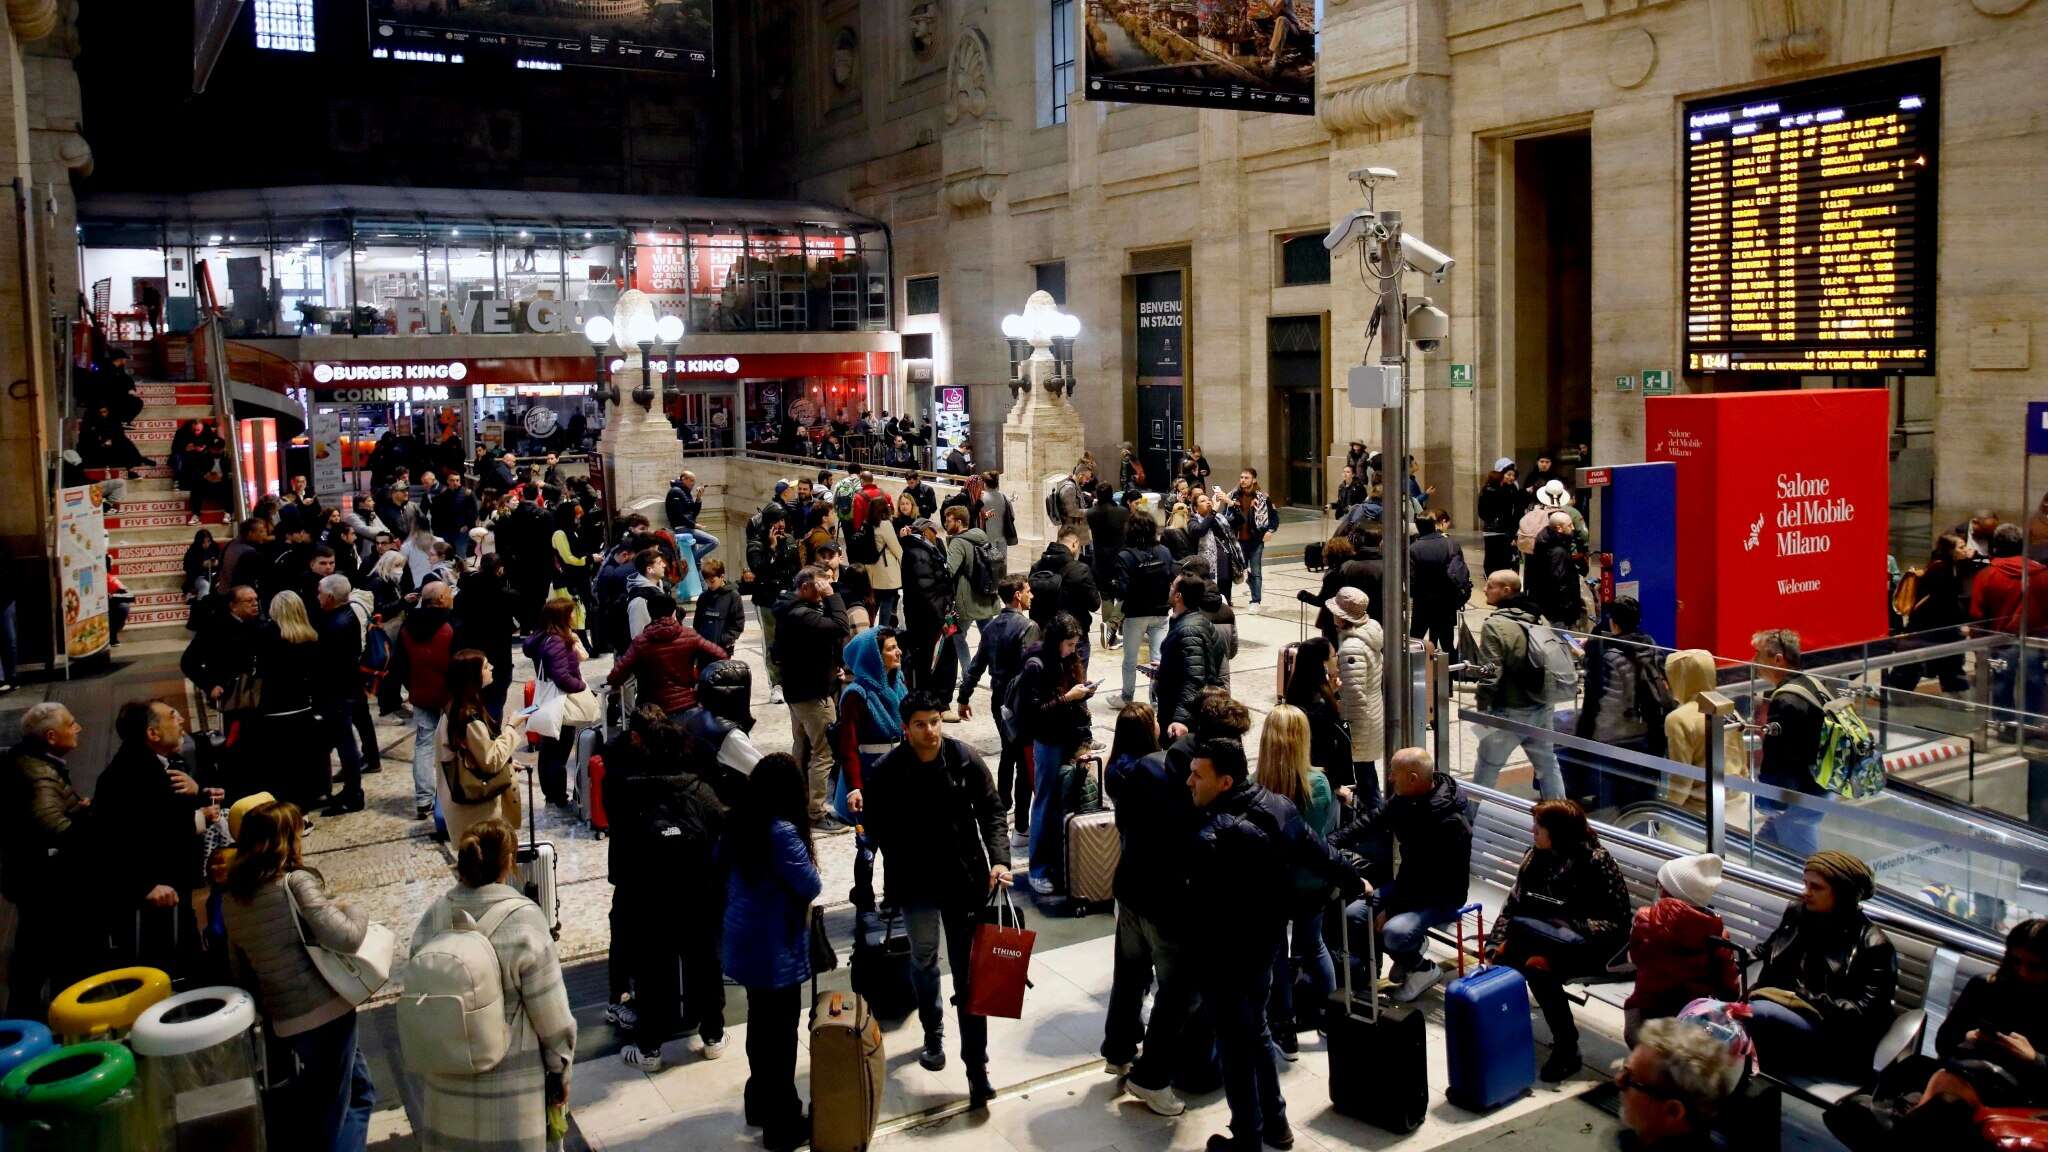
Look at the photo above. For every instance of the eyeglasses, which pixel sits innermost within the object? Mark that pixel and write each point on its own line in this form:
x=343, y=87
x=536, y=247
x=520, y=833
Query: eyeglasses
x=1626, y=1082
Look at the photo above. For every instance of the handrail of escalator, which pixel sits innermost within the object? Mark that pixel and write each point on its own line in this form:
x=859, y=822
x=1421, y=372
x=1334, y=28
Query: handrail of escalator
x=1990, y=819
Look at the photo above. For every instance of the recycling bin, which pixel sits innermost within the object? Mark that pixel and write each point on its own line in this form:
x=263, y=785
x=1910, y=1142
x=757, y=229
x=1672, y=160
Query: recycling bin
x=105, y=1006
x=198, y=1057
x=20, y=1042
x=79, y=1098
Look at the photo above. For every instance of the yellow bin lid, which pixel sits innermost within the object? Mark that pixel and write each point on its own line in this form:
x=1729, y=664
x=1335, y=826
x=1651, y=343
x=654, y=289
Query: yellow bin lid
x=107, y=1003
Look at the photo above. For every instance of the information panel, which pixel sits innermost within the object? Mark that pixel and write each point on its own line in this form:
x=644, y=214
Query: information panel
x=1250, y=55
x=649, y=35
x=1809, y=225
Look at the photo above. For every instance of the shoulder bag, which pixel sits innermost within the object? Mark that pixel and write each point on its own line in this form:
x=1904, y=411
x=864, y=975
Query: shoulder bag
x=354, y=976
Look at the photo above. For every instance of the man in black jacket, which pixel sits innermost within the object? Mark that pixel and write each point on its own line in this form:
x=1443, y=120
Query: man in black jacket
x=151, y=817
x=1426, y=815
x=1185, y=658
x=927, y=598
x=246, y=560
x=224, y=649
x=453, y=510
x=930, y=808
x=810, y=629
x=1796, y=707
x=926, y=497
x=1061, y=570
x=684, y=504
x=46, y=831
x=1106, y=522
x=338, y=687
x=1249, y=845
x=770, y=574
x=1439, y=582
x=1001, y=655
x=1553, y=573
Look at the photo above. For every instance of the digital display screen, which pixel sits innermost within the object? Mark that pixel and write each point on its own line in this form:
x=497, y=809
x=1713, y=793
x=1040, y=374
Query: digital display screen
x=1249, y=55
x=1810, y=225
x=285, y=25
x=649, y=35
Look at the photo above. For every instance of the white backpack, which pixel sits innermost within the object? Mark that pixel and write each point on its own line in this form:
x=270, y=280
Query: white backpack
x=1550, y=675
x=451, y=1017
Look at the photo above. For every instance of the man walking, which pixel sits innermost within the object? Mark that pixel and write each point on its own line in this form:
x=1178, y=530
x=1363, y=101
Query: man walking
x=1062, y=582
x=1001, y=655
x=1504, y=650
x=426, y=641
x=1792, y=719
x=338, y=688
x=454, y=513
x=927, y=600
x=1440, y=583
x=930, y=808
x=810, y=629
x=771, y=573
x=971, y=565
x=1187, y=659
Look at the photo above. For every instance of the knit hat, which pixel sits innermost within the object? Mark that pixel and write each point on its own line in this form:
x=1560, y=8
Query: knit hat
x=1849, y=877
x=1349, y=605
x=243, y=807
x=1693, y=879
x=1504, y=463
x=781, y=486
x=1554, y=495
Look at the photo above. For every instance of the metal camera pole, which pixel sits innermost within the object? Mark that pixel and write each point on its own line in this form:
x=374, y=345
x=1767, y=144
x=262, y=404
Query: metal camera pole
x=1402, y=728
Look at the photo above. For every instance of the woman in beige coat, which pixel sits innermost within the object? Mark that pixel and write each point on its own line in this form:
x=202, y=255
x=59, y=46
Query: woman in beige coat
x=485, y=744
x=1360, y=664
x=1691, y=672
x=885, y=574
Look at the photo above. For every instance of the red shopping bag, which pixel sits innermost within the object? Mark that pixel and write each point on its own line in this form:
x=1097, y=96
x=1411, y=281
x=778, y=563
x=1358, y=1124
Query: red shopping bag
x=999, y=968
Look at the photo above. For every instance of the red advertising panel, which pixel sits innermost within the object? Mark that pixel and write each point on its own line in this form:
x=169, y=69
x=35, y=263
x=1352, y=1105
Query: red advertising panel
x=1785, y=500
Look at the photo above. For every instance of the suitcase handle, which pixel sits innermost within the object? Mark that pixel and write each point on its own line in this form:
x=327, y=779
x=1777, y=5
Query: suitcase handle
x=1478, y=936
x=1372, y=960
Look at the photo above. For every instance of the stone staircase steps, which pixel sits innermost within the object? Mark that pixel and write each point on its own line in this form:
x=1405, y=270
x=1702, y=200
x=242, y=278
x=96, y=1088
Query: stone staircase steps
x=147, y=533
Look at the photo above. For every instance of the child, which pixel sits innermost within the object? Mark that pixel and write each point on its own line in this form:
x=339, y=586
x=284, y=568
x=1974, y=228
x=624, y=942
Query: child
x=721, y=616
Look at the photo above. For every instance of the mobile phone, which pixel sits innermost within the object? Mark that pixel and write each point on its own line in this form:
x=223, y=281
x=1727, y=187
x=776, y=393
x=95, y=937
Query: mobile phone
x=1094, y=684
x=529, y=710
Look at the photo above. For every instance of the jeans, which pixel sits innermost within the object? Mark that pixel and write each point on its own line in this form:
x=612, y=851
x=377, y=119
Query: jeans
x=703, y=543
x=767, y=616
x=960, y=658
x=1786, y=1042
x=1251, y=1078
x=1495, y=744
x=773, y=1017
x=1153, y=629
x=811, y=721
x=329, y=1100
x=461, y=543
x=338, y=719
x=1796, y=830
x=1303, y=951
x=886, y=600
x=1401, y=937
x=554, y=766
x=424, y=721
x=1254, y=566
x=1143, y=952
x=1048, y=823
x=924, y=924
x=2003, y=680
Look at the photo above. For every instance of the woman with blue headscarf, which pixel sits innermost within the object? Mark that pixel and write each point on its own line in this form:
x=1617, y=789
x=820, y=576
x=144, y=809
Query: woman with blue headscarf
x=870, y=725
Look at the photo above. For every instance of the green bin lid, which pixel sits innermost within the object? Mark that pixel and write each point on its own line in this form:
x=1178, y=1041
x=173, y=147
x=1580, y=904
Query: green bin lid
x=75, y=1078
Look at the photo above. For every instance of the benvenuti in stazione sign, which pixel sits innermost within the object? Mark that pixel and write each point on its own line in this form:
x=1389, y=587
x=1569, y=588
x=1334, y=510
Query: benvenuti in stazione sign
x=1784, y=509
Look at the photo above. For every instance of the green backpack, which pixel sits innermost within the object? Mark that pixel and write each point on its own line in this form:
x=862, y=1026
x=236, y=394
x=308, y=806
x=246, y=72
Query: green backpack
x=1850, y=760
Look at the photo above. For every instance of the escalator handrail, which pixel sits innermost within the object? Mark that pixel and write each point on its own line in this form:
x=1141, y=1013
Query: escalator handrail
x=1989, y=818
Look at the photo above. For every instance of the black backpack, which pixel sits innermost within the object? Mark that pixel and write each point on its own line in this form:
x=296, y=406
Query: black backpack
x=1152, y=574
x=981, y=568
x=1045, y=595
x=1653, y=698
x=861, y=545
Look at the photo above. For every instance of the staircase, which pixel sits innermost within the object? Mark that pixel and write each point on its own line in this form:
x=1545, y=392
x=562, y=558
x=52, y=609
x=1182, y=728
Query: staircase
x=147, y=532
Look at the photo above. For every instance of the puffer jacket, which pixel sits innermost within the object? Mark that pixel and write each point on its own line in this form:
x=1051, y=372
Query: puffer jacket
x=1184, y=668
x=666, y=658
x=1435, y=835
x=1671, y=945
x=1841, y=964
x=44, y=821
x=1591, y=887
x=265, y=950
x=767, y=928
x=1611, y=714
x=555, y=660
x=1360, y=662
x=1250, y=844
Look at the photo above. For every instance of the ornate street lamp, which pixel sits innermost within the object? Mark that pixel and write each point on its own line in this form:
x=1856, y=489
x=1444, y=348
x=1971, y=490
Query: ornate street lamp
x=669, y=331
x=598, y=330
x=1040, y=325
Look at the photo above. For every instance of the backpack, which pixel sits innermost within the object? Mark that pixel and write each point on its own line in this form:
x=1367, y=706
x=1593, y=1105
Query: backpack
x=1850, y=761
x=861, y=545
x=1547, y=673
x=1152, y=575
x=376, y=659
x=1045, y=596
x=1906, y=596
x=451, y=1016
x=981, y=568
x=1013, y=699
x=1053, y=519
x=843, y=495
x=1653, y=698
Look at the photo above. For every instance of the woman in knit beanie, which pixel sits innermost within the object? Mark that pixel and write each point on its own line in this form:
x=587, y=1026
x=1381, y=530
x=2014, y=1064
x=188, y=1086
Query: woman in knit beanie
x=1823, y=996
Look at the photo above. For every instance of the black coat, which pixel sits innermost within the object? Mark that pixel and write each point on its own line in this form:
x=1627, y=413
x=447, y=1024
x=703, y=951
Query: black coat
x=1042, y=716
x=147, y=834
x=721, y=617
x=1362, y=573
x=808, y=639
x=927, y=590
x=1142, y=593
x=1435, y=835
x=1437, y=575
x=1552, y=578
x=1249, y=847
x=337, y=672
x=683, y=507
x=223, y=650
x=1845, y=967
x=1155, y=818
x=1078, y=596
x=1989, y=1004
x=1185, y=668
x=287, y=671
x=453, y=512
x=938, y=825
x=1590, y=887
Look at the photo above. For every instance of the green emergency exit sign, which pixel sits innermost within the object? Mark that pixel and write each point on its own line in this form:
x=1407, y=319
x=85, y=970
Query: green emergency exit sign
x=1461, y=375
x=1656, y=382
x=1624, y=383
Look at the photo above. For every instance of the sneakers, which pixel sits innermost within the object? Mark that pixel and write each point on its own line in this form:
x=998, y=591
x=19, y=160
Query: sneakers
x=829, y=825
x=1417, y=982
x=1042, y=886
x=714, y=1049
x=343, y=805
x=648, y=1061
x=979, y=1090
x=1288, y=1044
x=933, y=1058
x=1562, y=1065
x=1020, y=839
x=775, y=694
x=1109, y=1069
x=950, y=716
x=621, y=1015
x=1160, y=1100
x=423, y=812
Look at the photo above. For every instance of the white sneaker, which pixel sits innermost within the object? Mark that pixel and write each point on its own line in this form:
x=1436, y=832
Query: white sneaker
x=1419, y=981
x=1117, y=1070
x=713, y=1049
x=1019, y=840
x=648, y=1061
x=775, y=694
x=1042, y=886
x=1160, y=1100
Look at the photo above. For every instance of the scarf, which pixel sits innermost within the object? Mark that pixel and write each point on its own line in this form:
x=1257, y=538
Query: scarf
x=881, y=692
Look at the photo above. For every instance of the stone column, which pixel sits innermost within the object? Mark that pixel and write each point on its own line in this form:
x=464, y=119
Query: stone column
x=1042, y=438
x=639, y=445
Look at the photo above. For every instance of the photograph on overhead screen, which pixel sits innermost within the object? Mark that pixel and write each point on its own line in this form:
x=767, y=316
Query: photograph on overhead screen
x=1254, y=55
x=655, y=35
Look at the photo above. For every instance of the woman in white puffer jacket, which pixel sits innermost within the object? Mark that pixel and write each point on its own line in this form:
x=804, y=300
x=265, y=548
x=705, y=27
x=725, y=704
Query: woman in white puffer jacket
x=1360, y=662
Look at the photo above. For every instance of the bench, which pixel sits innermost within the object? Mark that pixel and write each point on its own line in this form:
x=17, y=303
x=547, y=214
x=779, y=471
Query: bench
x=1931, y=974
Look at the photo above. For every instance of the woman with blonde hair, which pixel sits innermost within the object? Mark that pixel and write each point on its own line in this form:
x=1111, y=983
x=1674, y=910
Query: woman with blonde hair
x=1284, y=771
x=504, y=1109
x=290, y=763
x=328, y=1101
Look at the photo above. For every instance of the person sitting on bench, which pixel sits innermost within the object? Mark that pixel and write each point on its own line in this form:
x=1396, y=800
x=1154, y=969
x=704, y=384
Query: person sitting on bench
x=1679, y=945
x=1567, y=915
x=1823, y=994
x=1673, y=1085
x=1426, y=813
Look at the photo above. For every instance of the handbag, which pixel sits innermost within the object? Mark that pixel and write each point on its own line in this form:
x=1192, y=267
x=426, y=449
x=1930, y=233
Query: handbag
x=824, y=957
x=467, y=783
x=354, y=976
x=555, y=710
x=244, y=694
x=999, y=964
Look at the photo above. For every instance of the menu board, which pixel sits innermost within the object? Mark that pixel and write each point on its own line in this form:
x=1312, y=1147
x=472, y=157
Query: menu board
x=1810, y=225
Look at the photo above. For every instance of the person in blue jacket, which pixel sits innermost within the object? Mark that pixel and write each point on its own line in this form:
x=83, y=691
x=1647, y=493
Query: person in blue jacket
x=869, y=728
x=773, y=879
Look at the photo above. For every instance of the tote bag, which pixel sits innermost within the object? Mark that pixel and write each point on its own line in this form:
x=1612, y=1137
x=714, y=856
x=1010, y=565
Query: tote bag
x=354, y=976
x=555, y=710
x=999, y=965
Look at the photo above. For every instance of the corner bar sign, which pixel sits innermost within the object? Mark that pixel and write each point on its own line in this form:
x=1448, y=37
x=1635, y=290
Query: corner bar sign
x=453, y=377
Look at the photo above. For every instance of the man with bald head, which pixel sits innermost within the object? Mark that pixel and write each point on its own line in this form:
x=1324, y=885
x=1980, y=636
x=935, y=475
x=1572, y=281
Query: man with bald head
x=338, y=687
x=44, y=825
x=1425, y=815
x=425, y=642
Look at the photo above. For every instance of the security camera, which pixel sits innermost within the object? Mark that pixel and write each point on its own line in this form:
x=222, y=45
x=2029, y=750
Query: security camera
x=1427, y=325
x=1417, y=254
x=1373, y=175
x=1359, y=226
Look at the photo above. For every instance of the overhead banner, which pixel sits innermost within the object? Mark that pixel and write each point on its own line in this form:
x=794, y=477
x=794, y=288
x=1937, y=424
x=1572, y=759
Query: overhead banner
x=1782, y=531
x=669, y=36
x=1248, y=55
x=82, y=570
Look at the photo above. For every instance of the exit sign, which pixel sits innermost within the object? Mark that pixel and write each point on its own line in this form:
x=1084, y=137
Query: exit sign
x=1656, y=382
x=1461, y=375
x=1624, y=383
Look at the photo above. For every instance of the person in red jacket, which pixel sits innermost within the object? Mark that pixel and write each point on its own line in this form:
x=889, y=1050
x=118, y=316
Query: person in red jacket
x=425, y=642
x=666, y=658
x=1996, y=601
x=1678, y=945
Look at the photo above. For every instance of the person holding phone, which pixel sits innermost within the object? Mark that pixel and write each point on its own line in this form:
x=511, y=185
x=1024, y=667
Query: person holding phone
x=1053, y=694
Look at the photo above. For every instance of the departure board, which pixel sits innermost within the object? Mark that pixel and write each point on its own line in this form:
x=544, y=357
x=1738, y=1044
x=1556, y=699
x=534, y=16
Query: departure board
x=1809, y=226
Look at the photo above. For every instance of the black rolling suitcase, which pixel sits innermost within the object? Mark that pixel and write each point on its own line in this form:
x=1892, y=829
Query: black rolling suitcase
x=882, y=963
x=1379, y=1063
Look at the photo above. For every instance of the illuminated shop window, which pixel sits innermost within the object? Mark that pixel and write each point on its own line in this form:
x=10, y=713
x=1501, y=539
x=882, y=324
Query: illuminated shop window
x=284, y=25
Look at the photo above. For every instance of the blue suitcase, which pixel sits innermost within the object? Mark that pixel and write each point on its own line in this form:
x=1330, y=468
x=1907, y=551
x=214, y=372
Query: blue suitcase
x=1488, y=1039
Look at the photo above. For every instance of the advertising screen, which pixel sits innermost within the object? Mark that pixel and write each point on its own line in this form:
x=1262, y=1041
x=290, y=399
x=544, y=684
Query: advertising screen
x=1809, y=225
x=1252, y=55
x=651, y=35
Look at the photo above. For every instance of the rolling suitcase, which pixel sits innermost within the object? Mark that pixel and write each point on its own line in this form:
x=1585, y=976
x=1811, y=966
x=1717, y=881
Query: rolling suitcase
x=535, y=868
x=881, y=963
x=1312, y=556
x=1284, y=669
x=587, y=769
x=1093, y=849
x=1379, y=1063
x=847, y=1072
x=1488, y=1039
